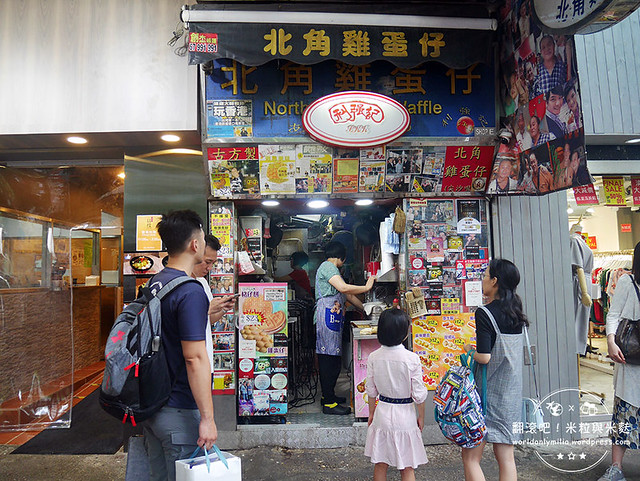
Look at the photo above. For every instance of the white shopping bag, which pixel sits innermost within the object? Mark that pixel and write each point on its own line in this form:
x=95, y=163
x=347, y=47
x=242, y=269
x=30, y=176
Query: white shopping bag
x=215, y=465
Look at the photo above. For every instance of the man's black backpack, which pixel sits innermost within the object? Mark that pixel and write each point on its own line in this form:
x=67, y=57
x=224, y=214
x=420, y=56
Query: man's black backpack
x=136, y=382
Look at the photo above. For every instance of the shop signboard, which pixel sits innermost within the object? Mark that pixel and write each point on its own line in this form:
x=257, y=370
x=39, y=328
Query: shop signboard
x=614, y=192
x=625, y=228
x=147, y=237
x=467, y=168
x=586, y=195
x=566, y=16
x=635, y=190
x=441, y=101
x=355, y=119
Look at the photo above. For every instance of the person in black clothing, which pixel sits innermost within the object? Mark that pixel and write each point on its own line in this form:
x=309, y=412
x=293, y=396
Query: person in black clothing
x=499, y=327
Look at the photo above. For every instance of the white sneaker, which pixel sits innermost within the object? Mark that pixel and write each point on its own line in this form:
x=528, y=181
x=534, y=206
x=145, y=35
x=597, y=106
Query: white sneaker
x=613, y=473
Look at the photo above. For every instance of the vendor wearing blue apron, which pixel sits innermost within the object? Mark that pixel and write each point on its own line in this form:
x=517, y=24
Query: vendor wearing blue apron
x=331, y=293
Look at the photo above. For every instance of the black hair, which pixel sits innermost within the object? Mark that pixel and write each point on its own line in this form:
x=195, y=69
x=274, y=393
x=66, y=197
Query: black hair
x=557, y=90
x=635, y=266
x=299, y=258
x=508, y=278
x=569, y=86
x=393, y=327
x=335, y=250
x=212, y=242
x=177, y=228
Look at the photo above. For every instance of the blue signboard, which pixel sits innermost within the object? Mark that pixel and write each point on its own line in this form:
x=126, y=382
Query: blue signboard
x=268, y=100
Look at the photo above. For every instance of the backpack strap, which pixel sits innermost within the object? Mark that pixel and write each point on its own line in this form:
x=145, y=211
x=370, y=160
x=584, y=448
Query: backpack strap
x=173, y=284
x=635, y=286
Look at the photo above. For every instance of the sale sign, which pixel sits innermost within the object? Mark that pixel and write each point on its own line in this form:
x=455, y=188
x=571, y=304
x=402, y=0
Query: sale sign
x=614, y=193
x=635, y=190
x=586, y=195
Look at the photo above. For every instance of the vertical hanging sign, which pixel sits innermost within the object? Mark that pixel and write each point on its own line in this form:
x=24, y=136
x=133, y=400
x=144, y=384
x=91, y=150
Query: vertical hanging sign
x=614, y=193
x=635, y=190
x=586, y=195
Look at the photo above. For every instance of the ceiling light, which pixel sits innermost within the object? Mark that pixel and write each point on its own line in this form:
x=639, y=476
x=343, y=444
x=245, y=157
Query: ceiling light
x=591, y=210
x=270, y=203
x=317, y=204
x=632, y=141
x=76, y=140
x=121, y=175
x=170, y=138
x=364, y=202
x=569, y=210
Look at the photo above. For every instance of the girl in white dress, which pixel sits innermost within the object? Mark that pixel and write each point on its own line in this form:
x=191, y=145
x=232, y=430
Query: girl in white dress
x=394, y=377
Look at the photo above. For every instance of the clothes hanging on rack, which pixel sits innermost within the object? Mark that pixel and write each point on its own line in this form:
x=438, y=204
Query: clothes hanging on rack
x=608, y=268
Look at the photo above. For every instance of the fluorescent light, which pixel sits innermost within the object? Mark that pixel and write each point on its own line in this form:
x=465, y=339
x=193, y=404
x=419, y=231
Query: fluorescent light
x=569, y=210
x=591, y=210
x=317, y=204
x=632, y=141
x=76, y=140
x=170, y=138
x=364, y=202
x=121, y=175
x=270, y=203
x=323, y=18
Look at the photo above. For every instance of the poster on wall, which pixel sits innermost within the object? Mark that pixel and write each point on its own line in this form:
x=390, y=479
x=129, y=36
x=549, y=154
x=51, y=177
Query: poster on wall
x=345, y=175
x=541, y=110
x=439, y=341
x=314, y=167
x=277, y=169
x=372, y=169
x=233, y=170
x=229, y=118
x=467, y=168
x=147, y=237
x=468, y=216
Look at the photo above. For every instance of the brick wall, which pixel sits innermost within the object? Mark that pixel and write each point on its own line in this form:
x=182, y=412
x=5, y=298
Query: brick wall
x=35, y=336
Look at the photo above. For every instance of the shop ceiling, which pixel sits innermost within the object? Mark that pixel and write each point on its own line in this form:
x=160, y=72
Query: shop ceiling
x=102, y=148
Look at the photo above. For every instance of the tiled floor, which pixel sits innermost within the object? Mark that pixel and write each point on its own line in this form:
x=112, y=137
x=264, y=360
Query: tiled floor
x=85, y=381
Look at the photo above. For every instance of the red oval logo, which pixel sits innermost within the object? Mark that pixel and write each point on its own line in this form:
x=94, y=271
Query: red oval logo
x=355, y=119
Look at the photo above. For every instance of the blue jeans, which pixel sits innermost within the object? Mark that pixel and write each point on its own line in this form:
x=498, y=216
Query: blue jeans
x=169, y=435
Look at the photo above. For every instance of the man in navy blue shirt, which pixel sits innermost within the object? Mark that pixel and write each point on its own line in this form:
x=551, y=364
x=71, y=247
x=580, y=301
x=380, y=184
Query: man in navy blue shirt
x=186, y=421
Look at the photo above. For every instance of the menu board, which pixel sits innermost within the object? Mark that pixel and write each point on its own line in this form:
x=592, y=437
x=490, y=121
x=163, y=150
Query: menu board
x=262, y=349
x=439, y=341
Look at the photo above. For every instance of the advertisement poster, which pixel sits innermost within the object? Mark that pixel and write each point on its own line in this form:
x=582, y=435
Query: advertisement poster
x=221, y=228
x=148, y=263
x=233, y=170
x=229, y=118
x=262, y=349
x=468, y=216
x=425, y=184
x=614, y=193
x=439, y=341
x=277, y=169
x=587, y=195
x=361, y=355
x=345, y=175
x=372, y=169
x=473, y=293
x=313, y=169
x=147, y=237
x=467, y=168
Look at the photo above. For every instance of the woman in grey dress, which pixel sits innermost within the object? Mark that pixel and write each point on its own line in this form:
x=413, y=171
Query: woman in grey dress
x=626, y=377
x=499, y=327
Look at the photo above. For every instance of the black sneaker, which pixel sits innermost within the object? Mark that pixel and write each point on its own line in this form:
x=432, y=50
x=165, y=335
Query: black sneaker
x=339, y=400
x=335, y=408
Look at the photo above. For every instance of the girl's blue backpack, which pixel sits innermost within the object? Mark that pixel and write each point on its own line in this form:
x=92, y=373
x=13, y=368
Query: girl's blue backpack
x=458, y=408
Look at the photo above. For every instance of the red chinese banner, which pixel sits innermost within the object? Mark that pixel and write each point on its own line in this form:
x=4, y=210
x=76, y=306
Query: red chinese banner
x=614, y=193
x=232, y=153
x=467, y=168
x=635, y=190
x=586, y=195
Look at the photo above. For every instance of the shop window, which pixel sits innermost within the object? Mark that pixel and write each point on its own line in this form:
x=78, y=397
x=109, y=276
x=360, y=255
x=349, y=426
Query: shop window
x=22, y=251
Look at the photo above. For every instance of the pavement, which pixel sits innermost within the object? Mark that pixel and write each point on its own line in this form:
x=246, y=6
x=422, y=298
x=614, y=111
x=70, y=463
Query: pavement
x=278, y=464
